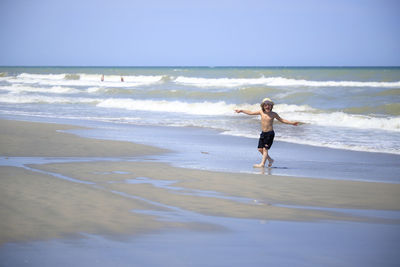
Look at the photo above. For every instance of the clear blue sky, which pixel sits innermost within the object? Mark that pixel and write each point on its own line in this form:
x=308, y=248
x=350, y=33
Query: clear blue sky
x=200, y=33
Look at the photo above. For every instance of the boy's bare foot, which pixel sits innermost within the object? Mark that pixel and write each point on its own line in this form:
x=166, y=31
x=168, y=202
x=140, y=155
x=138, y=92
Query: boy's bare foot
x=270, y=162
x=258, y=166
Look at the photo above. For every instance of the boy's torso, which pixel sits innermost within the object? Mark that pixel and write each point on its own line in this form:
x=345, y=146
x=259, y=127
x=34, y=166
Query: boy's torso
x=267, y=120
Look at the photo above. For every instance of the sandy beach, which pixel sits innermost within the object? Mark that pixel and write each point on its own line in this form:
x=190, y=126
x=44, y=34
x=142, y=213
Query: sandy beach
x=102, y=188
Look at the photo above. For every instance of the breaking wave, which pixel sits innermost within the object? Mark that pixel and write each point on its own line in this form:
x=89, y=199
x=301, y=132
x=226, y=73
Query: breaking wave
x=18, y=88
x=301, y=113
x=87, y=80
x=27, y=99
x=276, y=81
x=81, y=79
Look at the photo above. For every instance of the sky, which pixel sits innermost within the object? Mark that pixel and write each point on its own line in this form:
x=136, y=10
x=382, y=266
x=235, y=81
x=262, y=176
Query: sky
x=200, y=33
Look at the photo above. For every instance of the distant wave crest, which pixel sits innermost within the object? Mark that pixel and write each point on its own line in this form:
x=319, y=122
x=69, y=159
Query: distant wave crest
x=81, y=79
x=88, y=80
x=276, y=81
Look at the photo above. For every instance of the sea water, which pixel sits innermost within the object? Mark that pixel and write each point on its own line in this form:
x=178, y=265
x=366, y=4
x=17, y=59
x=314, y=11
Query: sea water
x=348, y=108
x=355, y=109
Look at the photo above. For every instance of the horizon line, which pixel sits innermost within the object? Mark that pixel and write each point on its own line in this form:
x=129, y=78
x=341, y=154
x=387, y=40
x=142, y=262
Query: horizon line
x=202, y=66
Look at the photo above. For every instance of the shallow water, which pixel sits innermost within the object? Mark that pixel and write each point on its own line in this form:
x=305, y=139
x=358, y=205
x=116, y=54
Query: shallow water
x=207, y=149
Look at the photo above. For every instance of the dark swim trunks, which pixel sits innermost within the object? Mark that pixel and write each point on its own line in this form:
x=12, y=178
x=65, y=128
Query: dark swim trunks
x=266, y=139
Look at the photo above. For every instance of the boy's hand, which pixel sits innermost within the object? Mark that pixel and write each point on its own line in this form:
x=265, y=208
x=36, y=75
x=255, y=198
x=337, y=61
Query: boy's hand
x=238, y=110
x=296, y=123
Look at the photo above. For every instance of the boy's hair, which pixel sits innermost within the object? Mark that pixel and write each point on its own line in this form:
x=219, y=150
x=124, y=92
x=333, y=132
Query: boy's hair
x=266, y=101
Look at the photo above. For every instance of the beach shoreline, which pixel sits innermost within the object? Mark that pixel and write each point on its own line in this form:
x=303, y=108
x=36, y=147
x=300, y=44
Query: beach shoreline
x=206, y=149
x=59, y=186
x=236, y=195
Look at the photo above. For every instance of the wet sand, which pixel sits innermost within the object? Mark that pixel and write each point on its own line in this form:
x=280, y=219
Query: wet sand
x=126, y=196
x=38, y=205
x=233, y=194
x=29, y=139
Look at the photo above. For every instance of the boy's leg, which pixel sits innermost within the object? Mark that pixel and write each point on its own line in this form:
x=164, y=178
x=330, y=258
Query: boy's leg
x=263, y=160
x=270, y=160
x=265, y=157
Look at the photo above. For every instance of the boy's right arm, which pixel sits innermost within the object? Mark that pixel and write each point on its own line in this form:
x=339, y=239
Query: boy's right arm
x=248, y=112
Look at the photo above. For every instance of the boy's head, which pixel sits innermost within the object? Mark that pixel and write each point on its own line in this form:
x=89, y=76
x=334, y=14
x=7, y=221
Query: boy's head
x=267, y=103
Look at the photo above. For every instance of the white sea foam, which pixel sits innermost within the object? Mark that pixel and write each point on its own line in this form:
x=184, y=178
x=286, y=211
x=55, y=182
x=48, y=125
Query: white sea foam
x=364, y=145
x=197, y=108
x=279, y=81
x=138, y=79
x=93, y=89
x=293, y=108
x=18, y=88
x=302, y=113
x=92, y=80
x=341, y=119
x=88, y=80
x=122, y=120
x=276, y=81
x=24, y=99
x=30, y=76
x=338, y=145
x=218, y=82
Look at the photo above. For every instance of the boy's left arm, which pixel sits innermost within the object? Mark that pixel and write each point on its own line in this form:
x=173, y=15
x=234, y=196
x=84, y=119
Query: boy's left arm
x=295, y=123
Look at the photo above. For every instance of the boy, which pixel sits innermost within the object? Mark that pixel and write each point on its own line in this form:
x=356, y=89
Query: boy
x=267, y=134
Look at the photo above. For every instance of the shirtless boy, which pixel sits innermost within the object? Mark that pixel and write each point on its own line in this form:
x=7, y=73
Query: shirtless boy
x=267, y=135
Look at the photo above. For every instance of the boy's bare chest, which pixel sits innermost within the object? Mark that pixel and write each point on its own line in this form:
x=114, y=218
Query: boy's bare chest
x=265, y=117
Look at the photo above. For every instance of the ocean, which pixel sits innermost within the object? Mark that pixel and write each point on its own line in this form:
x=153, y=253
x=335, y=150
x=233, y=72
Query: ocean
x=346, y=108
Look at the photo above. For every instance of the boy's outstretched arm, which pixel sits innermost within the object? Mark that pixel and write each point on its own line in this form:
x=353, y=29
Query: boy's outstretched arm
x=248, y=112
x=295, y=123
